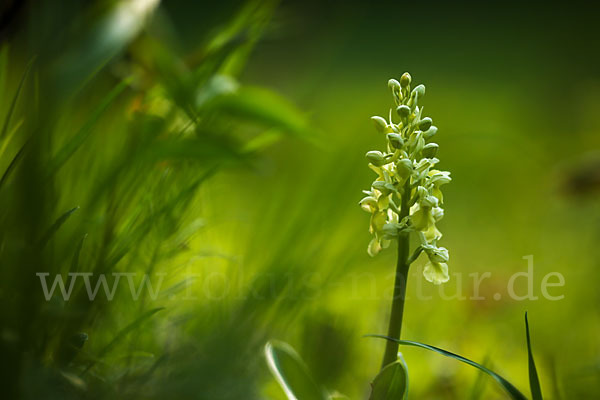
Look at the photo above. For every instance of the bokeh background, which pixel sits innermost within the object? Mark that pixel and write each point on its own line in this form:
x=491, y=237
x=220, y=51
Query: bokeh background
x=231, y=159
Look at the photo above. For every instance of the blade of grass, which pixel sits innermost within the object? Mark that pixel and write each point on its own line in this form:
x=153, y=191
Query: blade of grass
x=84, y=132
x=534, y=381
x=13, y=104
x=10, y=135
x=55, y=227
x=3, y=67
x=13, y=164
x=479, y=384
x=75, y=261
x=509, y=387
x=261, y=106
x=291, y=372
x=140, y=230
x=122, y=333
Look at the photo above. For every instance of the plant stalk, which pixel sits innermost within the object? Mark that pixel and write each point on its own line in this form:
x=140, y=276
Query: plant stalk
x=402, y=266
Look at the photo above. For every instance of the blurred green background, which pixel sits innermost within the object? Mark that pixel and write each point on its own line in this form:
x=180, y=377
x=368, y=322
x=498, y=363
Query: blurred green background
x=232, y=160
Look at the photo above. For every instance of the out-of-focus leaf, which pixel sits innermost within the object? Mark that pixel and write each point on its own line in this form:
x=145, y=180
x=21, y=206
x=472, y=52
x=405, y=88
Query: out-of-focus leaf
x=534, y=381
x=241, y=34
x=204, y=149
x=479, y=385
x=3, y=67
x=105, y=39
x=266, y=108
x=262, y=141
x=13, y=103
x=391, y=382
x=291, y=372
x=122, y=333
x=56, y=226
x=9, y=114
x=514, y=393
x=12, y=164
x=75, y=260
x=79, y=138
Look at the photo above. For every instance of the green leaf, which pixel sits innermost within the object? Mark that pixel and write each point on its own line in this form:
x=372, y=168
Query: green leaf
x=13, y=164
x=291, y=372
x=79, y=138
x=55, y=227
x=75, y=260
x=121, y=334
x=476, y=391
x=267, y=108
x=13, y=104
x=509, y=387
x=534, y=381
x=391, y=382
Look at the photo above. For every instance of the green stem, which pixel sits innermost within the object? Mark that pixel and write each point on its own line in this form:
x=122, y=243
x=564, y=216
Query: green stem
x=402, y=266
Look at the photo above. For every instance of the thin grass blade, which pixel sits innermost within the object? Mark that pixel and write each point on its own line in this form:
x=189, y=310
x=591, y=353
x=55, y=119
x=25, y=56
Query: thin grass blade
x=122, y=333
x=514, y=393
x=84, y=132
x=13, y=164
x=291, y=372
x=55, y=227
x=13, y=104
x=534, y=381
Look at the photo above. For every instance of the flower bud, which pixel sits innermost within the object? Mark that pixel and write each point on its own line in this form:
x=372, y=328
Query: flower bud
x=430, y=150
x=376, y=158
x=403, y=111
x=394, y=85
x=425, y=124
x=419, y=90
x=405, y=80
x=382, y=186
x=430, y=132
x=395, y=140
x=380, y=123
x=404, y=168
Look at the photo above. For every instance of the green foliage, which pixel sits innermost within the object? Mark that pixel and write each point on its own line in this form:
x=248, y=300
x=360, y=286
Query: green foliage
x=391, y=382
x=509, y=387
x=534, y=381
x=124, y=124
x=186, y=160
x=291, y=372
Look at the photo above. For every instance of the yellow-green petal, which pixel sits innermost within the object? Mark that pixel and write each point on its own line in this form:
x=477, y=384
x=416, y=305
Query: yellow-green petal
x=436, y=273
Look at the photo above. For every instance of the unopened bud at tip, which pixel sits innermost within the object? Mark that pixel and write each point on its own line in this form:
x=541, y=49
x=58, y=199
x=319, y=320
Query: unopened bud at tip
x=405, y=80
x=394, y=84
x=419, y=90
